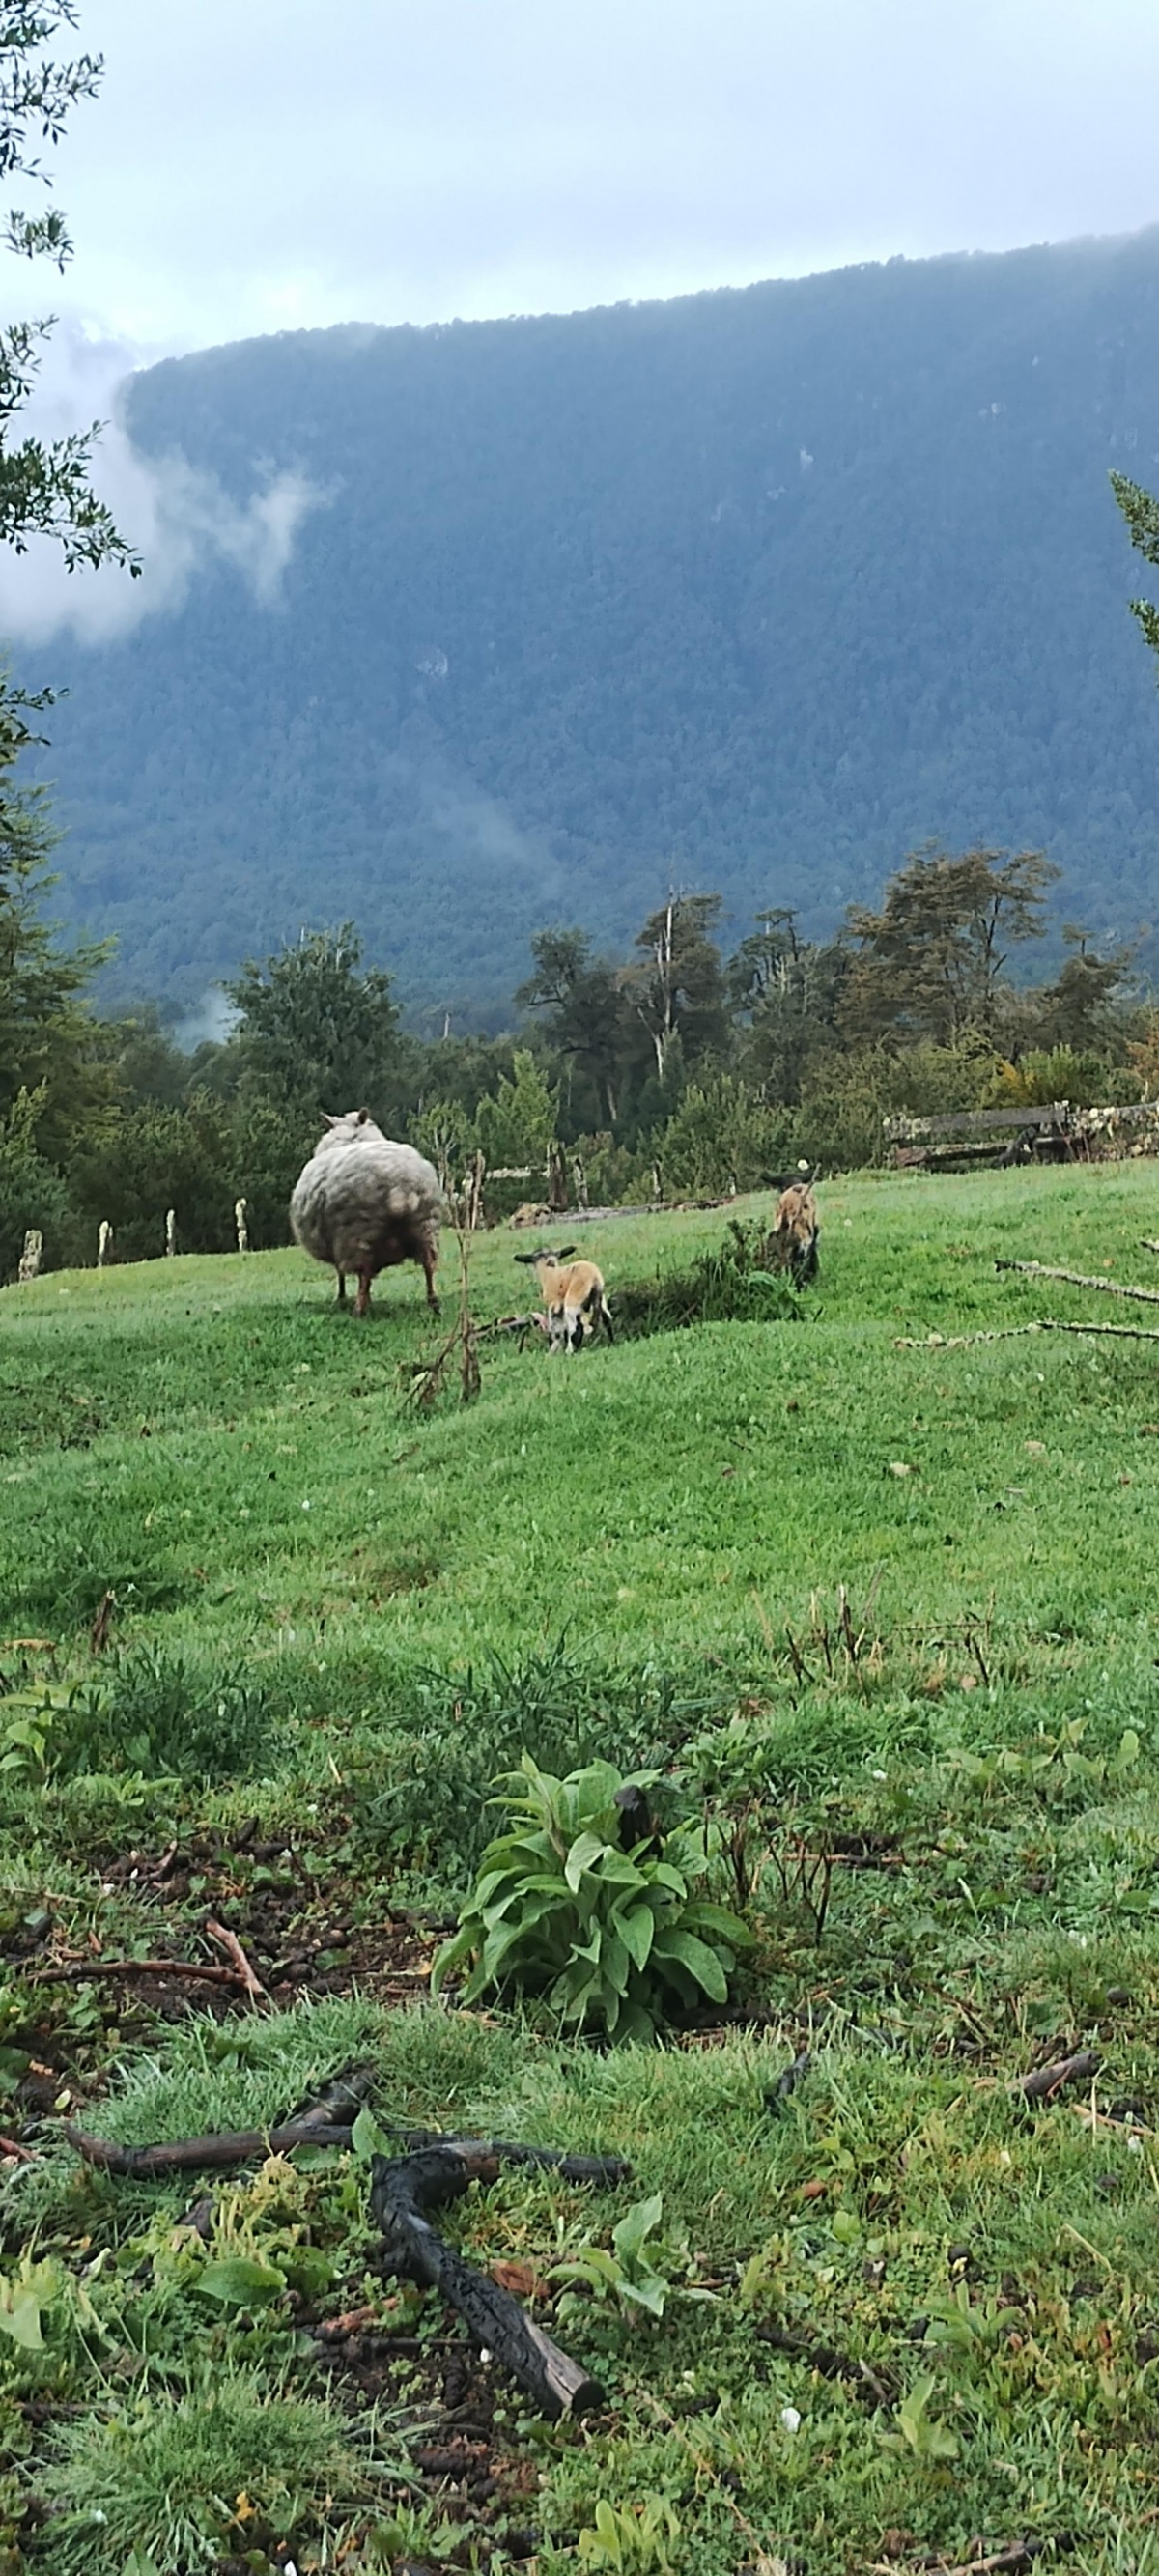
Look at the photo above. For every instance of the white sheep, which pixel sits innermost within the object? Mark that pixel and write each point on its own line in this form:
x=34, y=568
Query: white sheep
x=364, y=1203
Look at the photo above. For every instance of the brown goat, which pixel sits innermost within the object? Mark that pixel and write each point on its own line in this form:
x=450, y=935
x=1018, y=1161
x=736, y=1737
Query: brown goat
x=573, y=1293
x=792, y=1244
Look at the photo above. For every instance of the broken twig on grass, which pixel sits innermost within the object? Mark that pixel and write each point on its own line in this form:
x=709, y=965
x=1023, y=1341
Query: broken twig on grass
x=222, y=2147
x=1012, y=1333
x=403, y=2190
x=1045, y=2081
x=1081, y=1279
x=829, y=2363
x=996, y=2562
x=192, y=2155
x=228, y=1941
x=72, y=1972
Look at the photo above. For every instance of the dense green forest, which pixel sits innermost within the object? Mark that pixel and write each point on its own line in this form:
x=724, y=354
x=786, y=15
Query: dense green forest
x=677, y=1069
x=754, y=590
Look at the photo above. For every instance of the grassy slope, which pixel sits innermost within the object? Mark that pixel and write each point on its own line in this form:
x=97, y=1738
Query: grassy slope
x=228, y=1452
x=650, y=1497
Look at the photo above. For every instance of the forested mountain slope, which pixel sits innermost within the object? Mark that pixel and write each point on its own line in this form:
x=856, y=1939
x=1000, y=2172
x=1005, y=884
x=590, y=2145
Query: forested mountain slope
x=754, y=590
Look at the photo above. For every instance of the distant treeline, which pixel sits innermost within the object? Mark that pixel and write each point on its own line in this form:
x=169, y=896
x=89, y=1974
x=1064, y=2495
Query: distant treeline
x=677, y=1069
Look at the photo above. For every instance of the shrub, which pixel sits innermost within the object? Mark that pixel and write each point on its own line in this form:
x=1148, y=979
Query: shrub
x=1061, y=1073
x=155, y=1158
x=32, y=1193
x=729, y=1285
x=517, y=1123
x=612, y=1939
x=722, y=1137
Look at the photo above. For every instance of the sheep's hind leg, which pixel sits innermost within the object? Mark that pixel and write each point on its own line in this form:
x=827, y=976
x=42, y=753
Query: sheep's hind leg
x=341, y=1299
x=362, y=1301
x=430, y=1264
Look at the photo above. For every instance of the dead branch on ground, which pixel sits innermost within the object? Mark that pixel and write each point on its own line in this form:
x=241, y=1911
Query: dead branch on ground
x=1080, y=1279
x=1046, y=2081
x=72, y=1972
x=403, y=2191
x=1013, y=1333
x=223, y=2147
x=995, y=2562
x=228, y=1941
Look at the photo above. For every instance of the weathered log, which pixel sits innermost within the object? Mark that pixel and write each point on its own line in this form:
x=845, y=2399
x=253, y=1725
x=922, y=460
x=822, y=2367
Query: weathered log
x=1047, y=2080
x=1080, y=1279
x=403, y=2190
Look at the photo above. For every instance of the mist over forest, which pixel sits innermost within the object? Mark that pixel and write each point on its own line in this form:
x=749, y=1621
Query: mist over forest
x=754, y=591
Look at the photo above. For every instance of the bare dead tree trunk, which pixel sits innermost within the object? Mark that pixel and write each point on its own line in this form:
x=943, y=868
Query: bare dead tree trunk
x=474, y=1192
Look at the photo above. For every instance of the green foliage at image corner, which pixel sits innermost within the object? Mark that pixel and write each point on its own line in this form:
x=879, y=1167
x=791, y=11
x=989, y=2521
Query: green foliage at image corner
x=612, y=1937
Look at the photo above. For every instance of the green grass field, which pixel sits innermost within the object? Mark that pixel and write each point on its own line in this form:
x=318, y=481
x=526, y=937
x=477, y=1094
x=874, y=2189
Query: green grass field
x=911, y=2316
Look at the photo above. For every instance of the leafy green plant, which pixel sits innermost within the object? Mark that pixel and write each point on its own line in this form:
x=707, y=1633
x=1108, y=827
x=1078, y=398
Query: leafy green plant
x=614, y=1940
x=638, y=2269
x=639, y=2540
x=918, y=2432
x=458, y=1731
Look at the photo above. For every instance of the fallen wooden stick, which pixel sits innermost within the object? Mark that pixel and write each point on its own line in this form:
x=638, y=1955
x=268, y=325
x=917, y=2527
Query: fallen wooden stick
x=1011, y=1332
x=1047, y=2080
x=12, y=2147
x=403, y=2190
x=1079, y=1279
x=604, y=2171
x=228, y=1941
x=189, y=2155
x=1148, y=1243
x=1015, y=2554
x=74, y=1971
x=224, y=2147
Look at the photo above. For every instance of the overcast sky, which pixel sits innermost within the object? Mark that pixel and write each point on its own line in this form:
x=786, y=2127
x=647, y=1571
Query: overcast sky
x=256, y=165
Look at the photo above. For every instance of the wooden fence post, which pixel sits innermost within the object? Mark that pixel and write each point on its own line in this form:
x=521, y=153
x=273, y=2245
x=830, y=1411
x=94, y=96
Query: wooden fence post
x=104, y=1244
x=240, y=1211
x=29, y=1266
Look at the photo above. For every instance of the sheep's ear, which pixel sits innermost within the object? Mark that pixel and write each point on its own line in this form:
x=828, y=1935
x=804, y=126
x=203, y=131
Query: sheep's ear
x=523, y=1256
x=363, y=1117
x=567, y=1252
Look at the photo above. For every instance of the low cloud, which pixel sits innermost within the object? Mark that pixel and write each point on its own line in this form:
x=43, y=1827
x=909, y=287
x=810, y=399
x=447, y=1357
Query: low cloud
x=213, y=1017
x=474, y=821
x=176, y=515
